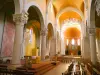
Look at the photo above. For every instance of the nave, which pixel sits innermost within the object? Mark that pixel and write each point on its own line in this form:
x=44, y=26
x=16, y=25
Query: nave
x=65, y=65
x=42, y=36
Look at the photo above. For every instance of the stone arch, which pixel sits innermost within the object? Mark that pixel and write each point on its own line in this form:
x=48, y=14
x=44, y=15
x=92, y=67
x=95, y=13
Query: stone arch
x=34, y=36
x=48, y=3
x=70, y=9
x=39, y=11
x=49, y=37
x=50, y=27
x=67, y=9
x=92, y=14
x=17, y=6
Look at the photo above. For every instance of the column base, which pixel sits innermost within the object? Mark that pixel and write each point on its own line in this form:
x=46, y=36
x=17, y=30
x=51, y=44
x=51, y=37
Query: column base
x=14, y=66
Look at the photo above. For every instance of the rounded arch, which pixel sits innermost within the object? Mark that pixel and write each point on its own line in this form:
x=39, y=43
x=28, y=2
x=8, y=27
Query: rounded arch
x=50, y=30
x=38, y=10
x=70, y=9
x=92, y=14
x=48, y=4
x=17, y=6
x=35, y=25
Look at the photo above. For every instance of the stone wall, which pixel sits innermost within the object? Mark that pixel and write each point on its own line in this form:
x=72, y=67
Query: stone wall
x=8, y=37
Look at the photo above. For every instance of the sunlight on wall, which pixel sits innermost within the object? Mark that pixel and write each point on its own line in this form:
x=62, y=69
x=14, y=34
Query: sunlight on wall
x=69, y=24
x=67, y=41
x=31, y=44
x=78, y=41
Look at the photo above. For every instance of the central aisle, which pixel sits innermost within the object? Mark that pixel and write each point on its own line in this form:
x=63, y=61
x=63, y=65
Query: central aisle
x=58, y=70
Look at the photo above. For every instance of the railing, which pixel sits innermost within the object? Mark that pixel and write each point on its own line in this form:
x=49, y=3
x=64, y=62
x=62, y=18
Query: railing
x=68, y=59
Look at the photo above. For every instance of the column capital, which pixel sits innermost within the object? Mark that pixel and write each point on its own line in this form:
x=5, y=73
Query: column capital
x=20, y=19
x=43, y=32
x=91, y=31
x=97, y=3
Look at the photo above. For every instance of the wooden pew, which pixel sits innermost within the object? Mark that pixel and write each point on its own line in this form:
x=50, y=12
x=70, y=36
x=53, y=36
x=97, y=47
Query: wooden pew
x=96, y=72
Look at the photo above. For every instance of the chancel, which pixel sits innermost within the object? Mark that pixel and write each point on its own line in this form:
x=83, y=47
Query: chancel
x=50, y=37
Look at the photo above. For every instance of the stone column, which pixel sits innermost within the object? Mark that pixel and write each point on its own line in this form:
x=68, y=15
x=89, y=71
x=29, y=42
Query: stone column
x=62, y=47
x=86, y=48
x=98, y=48
x=93, y=45
x=58, y=47
x=20, y=20
x=43, y=35
x=53, y=47
x=82, y=47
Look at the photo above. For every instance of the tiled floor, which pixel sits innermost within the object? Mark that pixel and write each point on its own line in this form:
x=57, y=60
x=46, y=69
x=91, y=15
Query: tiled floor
x=58, y=70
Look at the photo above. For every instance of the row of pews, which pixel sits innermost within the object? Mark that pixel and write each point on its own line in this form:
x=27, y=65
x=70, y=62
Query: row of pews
x=93, y=69
x=75, y=68
x=36, y=69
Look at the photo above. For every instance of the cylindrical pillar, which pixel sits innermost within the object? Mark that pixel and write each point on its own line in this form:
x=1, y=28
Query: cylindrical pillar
x=53, y=47
x=20, y=20
x=93, y=45
x=43, y=43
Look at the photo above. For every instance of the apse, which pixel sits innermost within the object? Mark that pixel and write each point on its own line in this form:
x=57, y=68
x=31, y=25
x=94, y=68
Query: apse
x=71, y=34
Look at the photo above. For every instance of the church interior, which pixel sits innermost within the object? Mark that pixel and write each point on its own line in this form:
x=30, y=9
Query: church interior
x=50, y=37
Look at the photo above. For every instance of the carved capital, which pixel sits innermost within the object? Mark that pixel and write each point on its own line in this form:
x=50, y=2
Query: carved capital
x=20, y=19
x=43, y=32
x=97, y=3
x=91, y=31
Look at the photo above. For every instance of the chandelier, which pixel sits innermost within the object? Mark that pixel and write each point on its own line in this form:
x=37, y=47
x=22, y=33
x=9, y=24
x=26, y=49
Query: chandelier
x=97, y=3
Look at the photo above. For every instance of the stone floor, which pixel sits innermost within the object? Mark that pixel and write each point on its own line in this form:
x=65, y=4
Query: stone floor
x=58, y=70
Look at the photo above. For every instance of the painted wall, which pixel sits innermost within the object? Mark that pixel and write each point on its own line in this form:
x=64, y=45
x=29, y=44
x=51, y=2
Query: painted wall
x=8, y=37
x=1, y=27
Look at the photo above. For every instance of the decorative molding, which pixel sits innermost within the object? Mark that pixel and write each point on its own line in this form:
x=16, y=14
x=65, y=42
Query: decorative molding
x=91, y=31
x=71, y=19
x=97, y=3
x=20, y=19
x=43, y=32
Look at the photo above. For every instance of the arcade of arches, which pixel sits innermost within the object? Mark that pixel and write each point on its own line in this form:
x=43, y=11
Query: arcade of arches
x=44, y=28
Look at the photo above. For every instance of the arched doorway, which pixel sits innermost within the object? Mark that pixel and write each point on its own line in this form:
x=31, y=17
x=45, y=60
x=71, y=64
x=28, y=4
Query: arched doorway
x=34, y=25
x=32, y=38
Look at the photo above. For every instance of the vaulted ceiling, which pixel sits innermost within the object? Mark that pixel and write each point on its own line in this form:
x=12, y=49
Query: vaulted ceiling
x=72, y=32
x=61, y=4
x=68, y=15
